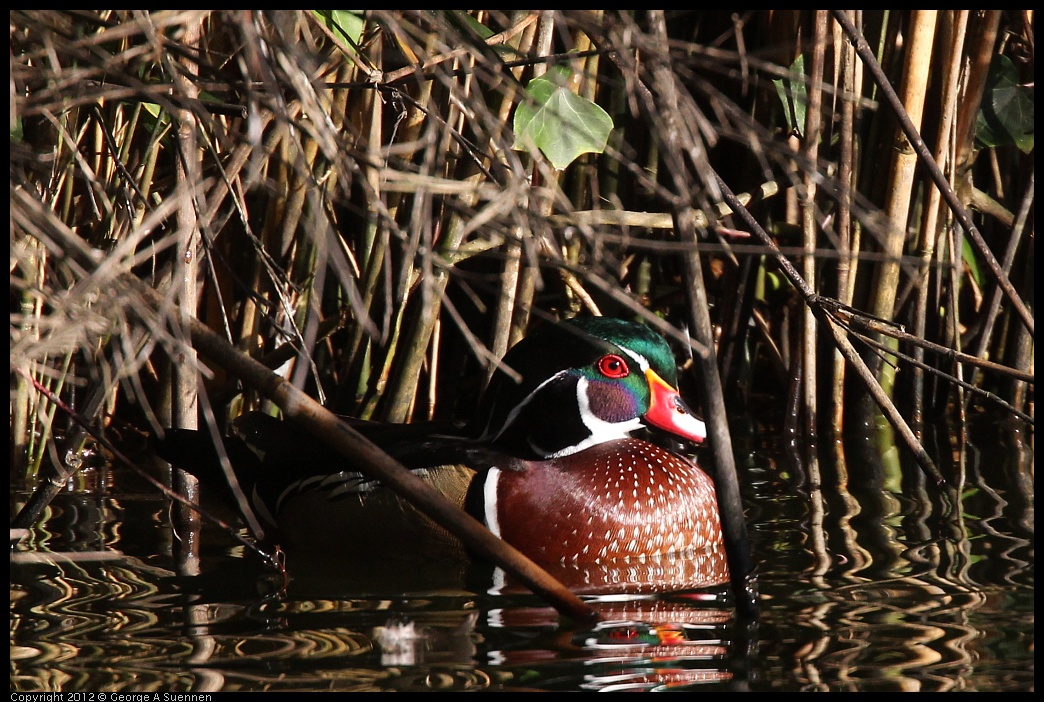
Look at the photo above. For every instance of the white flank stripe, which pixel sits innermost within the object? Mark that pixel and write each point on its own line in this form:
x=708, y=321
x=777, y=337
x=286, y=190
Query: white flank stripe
x=489, y=498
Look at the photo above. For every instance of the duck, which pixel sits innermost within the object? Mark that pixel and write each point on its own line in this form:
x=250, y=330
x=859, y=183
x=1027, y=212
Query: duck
x=572, y=457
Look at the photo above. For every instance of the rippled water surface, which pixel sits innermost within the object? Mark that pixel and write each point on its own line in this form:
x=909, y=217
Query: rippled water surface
x=879, y=583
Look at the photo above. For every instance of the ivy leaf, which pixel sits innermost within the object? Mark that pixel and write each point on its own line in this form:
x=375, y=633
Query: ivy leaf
x=1006, y=116
x=558, y=122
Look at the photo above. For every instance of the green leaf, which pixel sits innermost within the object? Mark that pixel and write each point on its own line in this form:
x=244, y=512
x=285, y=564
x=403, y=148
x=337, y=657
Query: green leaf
x=558, y=122
x=480, y=29
x=971, y=262
x=793, y=96
x=348, y=24
x=1006, y=116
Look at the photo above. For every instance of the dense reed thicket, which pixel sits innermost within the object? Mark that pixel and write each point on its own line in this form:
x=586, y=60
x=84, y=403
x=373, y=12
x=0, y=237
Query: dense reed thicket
x=347, y=197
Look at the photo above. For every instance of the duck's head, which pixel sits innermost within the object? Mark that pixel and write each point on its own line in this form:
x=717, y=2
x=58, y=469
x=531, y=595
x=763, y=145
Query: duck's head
x=585, y=382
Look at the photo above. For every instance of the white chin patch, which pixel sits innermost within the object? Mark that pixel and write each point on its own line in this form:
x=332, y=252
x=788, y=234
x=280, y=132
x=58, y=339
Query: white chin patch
x=601, y=430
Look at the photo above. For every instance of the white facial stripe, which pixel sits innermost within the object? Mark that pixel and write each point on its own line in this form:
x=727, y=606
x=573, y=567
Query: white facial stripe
x=601, y=430
x=513, y=414
x=489, y=498
x=641, y=360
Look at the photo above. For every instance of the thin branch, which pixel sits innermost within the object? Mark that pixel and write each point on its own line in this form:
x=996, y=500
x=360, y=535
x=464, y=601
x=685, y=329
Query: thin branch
x=813, y=300
x=885, y=350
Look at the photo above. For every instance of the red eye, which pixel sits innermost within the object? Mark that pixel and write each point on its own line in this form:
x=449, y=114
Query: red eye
x=612, y=366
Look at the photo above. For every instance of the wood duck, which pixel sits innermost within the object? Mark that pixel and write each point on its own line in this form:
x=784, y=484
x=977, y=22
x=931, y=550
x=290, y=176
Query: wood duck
x=559, y=463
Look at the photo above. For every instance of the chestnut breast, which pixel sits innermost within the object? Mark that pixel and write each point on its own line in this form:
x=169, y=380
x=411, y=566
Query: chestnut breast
x=622, y=499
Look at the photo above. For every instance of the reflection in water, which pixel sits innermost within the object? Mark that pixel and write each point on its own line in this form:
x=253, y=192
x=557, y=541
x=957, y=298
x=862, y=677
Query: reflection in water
x=905, y=635
x=906, y=590
x=641, y=643
x=929, y=588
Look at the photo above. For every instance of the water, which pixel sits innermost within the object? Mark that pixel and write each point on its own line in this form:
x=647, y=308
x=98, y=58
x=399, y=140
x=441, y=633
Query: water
x=887, y=586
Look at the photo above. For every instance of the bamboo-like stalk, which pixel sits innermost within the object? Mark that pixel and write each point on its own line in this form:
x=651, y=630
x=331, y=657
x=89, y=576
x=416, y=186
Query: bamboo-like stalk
x=955, y=270
x=403, y=384
x=407, y=138
x=584, y=83
x=810, y=237
x=993, y=306
x=185, y=374
x=929, y=229
x=507, y=300
x=959, y=211
x=742, y=570
x=982, y=40
x=892, y=414
x=917, y=54
x=846, y=225
x=527, y=274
